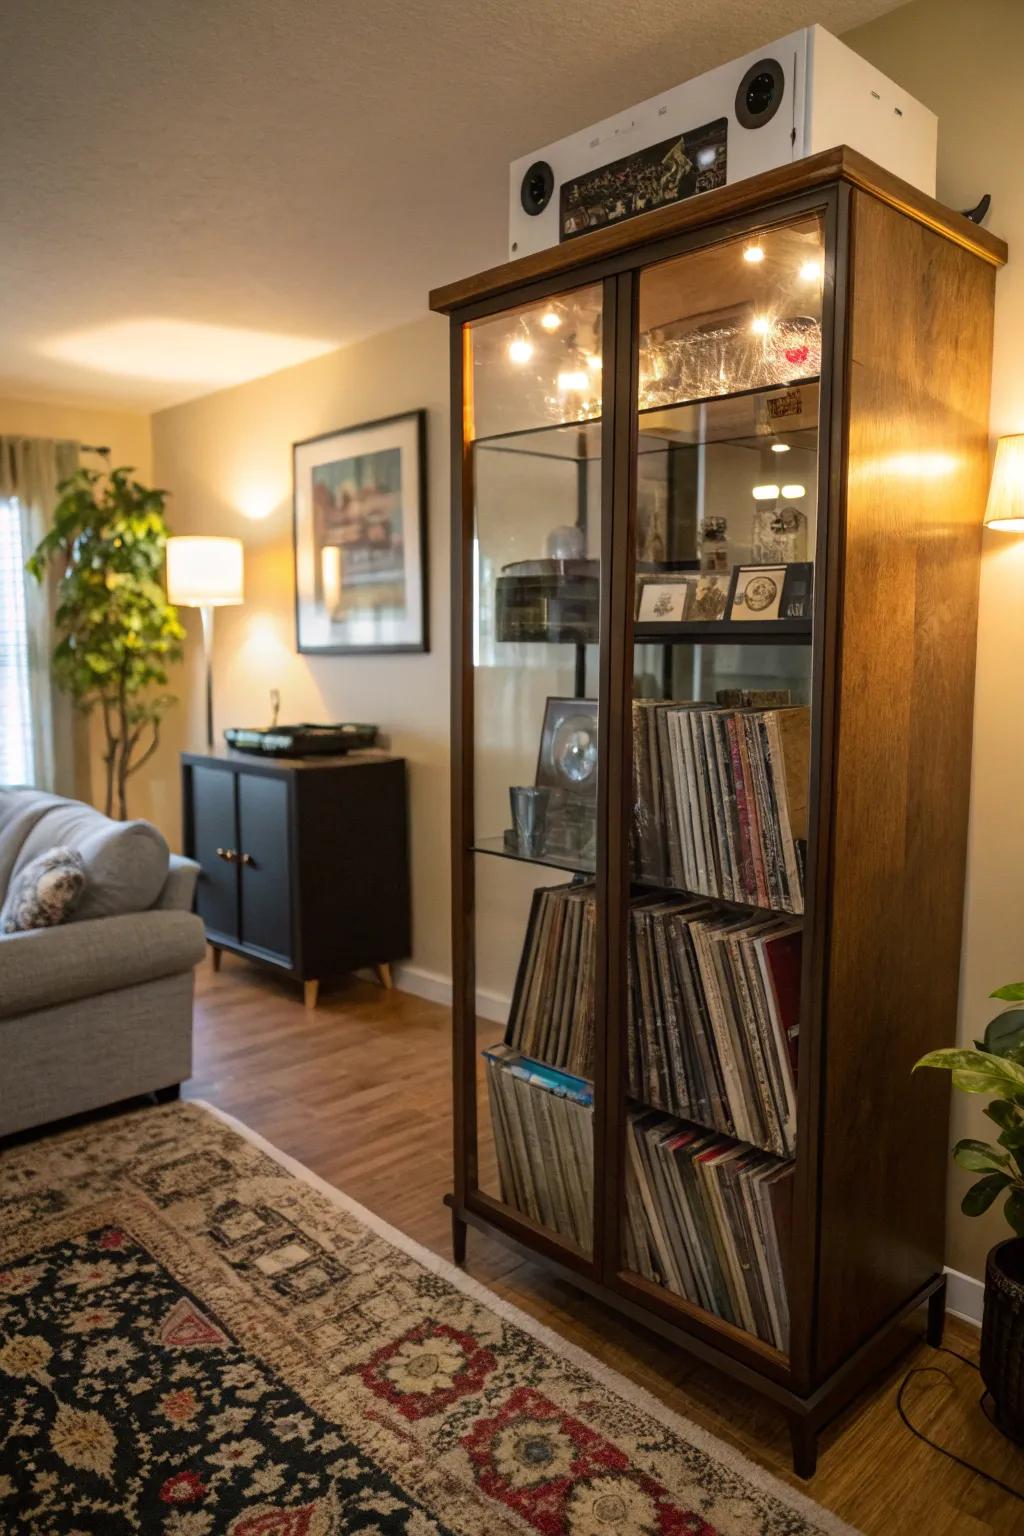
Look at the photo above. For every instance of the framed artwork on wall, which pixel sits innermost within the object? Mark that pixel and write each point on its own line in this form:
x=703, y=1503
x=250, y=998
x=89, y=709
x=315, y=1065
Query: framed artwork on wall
x=360, y=529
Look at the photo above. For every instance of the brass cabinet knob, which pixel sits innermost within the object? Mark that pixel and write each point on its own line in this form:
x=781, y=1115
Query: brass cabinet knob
x=247, y=858
x=229, y=855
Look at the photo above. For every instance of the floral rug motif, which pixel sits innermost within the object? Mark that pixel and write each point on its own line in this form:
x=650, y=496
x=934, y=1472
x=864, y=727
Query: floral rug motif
x=196, y=1342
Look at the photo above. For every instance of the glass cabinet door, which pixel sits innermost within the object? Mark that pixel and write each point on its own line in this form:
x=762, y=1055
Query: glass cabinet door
x=533, y=390
x=730, y=340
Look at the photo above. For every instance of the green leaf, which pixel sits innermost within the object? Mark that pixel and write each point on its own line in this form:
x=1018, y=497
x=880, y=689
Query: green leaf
x=981, y=1195
x=975, y=1072
x=1005, y=1034
x=1004, y=1115
x=1013, y=1210
x=978, y=1156
x=1013, y=992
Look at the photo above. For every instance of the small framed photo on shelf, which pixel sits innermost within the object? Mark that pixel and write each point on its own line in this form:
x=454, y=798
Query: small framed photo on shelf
x=797, y=591
x=756, y=592
x=710, y=597
x=567, y=758
x=767, y=592
x=664, y=597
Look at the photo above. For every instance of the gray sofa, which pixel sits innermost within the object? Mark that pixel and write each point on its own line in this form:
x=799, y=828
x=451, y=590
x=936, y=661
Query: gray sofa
x=98, y=1009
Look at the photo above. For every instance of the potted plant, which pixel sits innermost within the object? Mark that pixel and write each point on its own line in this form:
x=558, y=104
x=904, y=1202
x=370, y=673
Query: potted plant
x=117, y=631
x=995, y=1066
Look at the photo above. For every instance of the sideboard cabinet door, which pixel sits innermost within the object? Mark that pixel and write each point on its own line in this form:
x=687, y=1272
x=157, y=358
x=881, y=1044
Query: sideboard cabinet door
x=263, y=823
x=214, y=831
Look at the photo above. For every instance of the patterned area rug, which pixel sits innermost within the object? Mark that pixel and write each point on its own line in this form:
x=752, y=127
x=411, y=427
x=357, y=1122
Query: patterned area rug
x=198, y=1338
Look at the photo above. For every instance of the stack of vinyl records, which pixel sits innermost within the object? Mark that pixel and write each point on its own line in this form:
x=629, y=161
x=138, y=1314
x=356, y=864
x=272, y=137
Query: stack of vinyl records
x=707, y=1218
x=720, y=800
x=552, y=1014
x=714, y=1010
x=713, y=1007
x=544, y=1138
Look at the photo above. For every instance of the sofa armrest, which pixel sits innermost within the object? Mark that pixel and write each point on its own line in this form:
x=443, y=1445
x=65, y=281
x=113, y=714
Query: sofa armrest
x=179, y=887
x=59, y=965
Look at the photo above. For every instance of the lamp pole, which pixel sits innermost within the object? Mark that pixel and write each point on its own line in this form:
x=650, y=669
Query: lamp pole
x=206, y=614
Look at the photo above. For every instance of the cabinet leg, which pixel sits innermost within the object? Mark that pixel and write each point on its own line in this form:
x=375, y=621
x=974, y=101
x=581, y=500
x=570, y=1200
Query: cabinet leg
x=311, y=991
x=936, y=1317
x=215, y=954
x=803, y=1438
x=384, y=975
x=459, y=1230
x=167, y=1095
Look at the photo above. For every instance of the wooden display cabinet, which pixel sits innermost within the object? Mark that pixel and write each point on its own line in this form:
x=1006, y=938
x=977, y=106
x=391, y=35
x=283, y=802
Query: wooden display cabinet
x=614, y=399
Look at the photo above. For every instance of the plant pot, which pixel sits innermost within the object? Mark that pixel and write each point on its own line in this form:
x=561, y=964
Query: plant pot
x=1002, y=1335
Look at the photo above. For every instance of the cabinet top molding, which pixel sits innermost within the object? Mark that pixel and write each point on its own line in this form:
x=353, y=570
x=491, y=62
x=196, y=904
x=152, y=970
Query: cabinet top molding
x=840, y=164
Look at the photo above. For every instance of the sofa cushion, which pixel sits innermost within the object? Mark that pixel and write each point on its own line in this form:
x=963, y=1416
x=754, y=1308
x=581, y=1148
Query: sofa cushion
x=125, y=861
x=20, y=809
x=44, y=893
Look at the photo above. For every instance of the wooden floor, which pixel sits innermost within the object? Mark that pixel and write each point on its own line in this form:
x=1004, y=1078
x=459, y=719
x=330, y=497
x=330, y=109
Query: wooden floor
x=358, y=1090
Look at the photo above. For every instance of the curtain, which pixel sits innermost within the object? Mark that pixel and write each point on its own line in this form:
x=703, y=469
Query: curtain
x=30, y=470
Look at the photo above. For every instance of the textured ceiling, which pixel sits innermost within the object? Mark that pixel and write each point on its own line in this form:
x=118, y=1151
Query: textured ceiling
x=296, y=171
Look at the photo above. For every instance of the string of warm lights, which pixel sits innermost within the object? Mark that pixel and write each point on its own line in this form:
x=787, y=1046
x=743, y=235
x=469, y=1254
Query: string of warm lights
x=711, y=360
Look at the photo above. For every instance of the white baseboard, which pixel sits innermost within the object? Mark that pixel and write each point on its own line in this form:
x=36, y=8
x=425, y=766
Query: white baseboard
x=965, y=1296
x=423, y=983
x=438, y=989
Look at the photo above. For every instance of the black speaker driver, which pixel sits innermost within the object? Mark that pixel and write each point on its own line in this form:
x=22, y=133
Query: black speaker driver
x=538, y=185
x=760, y=93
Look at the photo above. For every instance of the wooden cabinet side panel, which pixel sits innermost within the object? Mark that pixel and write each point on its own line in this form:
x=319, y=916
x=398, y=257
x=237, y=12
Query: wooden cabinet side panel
x=918, y=375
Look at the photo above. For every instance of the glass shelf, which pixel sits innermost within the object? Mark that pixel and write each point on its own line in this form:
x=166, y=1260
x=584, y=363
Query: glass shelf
x=736, y=419
x=751, y=418
x=571, y=440
x=728, y=632
x=500, y=849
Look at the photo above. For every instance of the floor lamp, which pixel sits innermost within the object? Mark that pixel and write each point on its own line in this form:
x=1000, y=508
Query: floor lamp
x=205, y=573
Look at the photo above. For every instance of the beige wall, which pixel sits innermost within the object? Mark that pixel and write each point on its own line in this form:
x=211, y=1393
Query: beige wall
x=127, y=435
x=227, y=461
x=963, y=60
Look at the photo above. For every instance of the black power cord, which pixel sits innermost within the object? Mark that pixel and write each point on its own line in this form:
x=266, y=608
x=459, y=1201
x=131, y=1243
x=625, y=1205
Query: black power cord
x=927, y=1370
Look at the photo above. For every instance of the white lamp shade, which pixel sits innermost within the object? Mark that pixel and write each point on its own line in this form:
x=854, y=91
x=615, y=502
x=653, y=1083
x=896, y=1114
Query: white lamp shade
x=1005, y=508
x=204, y=572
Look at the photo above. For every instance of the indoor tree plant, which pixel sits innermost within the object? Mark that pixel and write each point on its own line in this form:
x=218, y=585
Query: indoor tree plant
x=116, y=630
x=995, y=1065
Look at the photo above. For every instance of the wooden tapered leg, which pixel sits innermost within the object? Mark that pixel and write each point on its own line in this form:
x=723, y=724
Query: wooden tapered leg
x=803, y=1438
x=384, y=975
x=937, y=1317
x=459, y=1230
x=215, y=955
x=311, y=991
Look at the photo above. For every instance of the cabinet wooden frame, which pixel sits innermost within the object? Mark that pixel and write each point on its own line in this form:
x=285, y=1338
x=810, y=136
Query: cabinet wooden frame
x=896, y=259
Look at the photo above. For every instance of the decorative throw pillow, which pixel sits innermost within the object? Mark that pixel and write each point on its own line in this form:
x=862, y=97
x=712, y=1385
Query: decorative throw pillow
x=43, y=893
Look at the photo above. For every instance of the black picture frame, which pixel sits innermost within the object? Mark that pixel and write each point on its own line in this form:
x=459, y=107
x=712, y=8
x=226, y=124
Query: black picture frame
x=418, y=580
x=775, y=573
x=796, y=593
